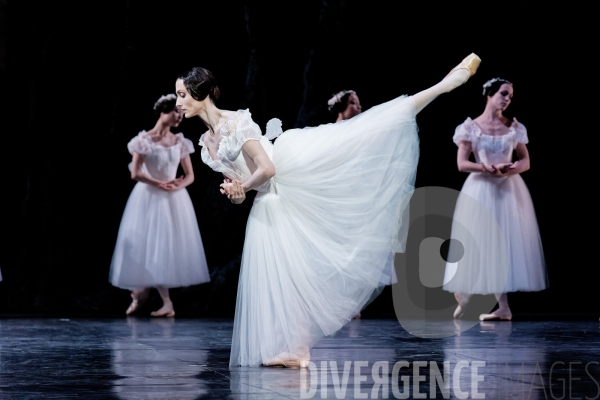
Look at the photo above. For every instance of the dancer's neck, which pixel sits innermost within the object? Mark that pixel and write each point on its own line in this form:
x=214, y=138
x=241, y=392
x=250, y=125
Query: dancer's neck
x=210, y=115
x=160, y=130
x=492, y=115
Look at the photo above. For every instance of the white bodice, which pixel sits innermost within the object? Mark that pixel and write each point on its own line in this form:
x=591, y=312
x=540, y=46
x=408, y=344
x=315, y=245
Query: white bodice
x=236, y=131
x=490, y=149
x=160, y=162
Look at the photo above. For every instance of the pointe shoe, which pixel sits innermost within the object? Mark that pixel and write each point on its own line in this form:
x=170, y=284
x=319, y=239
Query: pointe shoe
x=494, y=316
x=163, y=312
x=132, y=307
x=136, y=303
x=470, y=63
x=288, y=362
x=459, y=312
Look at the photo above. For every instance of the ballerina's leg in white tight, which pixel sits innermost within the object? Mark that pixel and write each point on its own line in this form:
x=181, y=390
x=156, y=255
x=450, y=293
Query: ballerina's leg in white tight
x=458, y=76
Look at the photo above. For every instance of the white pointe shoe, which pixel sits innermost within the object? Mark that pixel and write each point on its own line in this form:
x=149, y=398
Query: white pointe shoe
x=288, y=362
x=470, y=63
x=164, y=311
x=493, y=316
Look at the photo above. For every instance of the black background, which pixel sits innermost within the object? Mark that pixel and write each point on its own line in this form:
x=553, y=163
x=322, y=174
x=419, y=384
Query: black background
x=79, y=80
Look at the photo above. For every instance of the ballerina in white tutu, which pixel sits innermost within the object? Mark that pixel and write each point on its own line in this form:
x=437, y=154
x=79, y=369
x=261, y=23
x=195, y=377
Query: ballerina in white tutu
x=514, y=260
x=322, y=224
x=159, y=243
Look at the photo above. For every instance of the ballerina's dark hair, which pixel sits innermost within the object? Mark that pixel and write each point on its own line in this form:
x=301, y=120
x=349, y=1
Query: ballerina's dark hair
x=492, y=86
x=340, y=106
x=200, y=83
x=165, y=104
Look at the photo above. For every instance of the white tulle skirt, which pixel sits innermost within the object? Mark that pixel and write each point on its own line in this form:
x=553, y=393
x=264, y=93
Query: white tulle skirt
x=318, y=244
x=159, y=242
x=506, y=254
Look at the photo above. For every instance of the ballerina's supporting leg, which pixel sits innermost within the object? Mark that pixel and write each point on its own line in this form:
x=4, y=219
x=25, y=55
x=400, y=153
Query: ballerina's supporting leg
x=458, y=76
x=167, y=309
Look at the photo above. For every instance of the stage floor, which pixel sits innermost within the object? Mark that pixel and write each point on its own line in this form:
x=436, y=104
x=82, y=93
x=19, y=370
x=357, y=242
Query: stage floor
x=143, y=358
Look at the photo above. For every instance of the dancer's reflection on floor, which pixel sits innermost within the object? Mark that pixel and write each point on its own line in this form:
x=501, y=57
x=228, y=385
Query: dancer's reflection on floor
x=154, y=364
x=513, y=366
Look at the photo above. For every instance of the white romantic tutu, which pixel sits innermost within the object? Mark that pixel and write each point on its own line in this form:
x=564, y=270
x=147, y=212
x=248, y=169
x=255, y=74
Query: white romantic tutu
x=318, y=241
x=510, y=262
x=159, y=242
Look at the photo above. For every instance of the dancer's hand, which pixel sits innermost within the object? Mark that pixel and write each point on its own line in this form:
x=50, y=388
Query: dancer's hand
x=488, y=169
x=233, y=190
x=171, y=186
x=164, y=186
x=176, y=184
x=503, y=167
x=512, y=170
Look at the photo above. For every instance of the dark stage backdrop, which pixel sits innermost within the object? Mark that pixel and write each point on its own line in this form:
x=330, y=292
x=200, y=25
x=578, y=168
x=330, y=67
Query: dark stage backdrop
x=79, y=80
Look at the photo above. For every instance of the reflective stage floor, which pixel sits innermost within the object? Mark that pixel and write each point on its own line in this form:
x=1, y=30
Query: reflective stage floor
x=143, y=358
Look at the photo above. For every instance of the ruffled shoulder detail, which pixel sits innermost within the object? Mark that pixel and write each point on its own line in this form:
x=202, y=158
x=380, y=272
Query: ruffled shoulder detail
x=235, y=132
x=464, y=131
x=141, y=144
x=520, y=132
x=187, y=147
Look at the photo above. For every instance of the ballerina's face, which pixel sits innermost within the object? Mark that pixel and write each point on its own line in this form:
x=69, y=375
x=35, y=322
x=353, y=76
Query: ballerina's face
x=185, y=102
x=502, y=98
x=172, y=118
x=353, y=107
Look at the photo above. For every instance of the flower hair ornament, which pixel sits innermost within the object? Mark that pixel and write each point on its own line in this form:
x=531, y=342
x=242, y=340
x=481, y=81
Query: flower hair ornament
x=489, y=83
x=164, y=98
x=337, y=98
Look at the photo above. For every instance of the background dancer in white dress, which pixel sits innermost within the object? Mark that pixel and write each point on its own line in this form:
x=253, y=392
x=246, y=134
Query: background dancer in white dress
x=159, y=243
x=494, y=182
x=322, y=224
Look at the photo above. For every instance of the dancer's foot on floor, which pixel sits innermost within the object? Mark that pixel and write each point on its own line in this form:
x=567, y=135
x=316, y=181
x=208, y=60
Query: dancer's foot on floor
x=496, y=315
x=138, y=300
x=284, y=361
x=463, y=302
x=165, y=311
x=459, y=312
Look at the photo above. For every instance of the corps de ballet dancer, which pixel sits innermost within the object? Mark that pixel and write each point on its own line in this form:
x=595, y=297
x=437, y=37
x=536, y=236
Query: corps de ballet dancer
x=159, y=243
x=514, y=259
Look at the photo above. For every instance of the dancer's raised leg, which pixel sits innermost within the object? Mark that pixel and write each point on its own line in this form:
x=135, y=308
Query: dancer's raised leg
x=458, y=76
x=167, y=309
